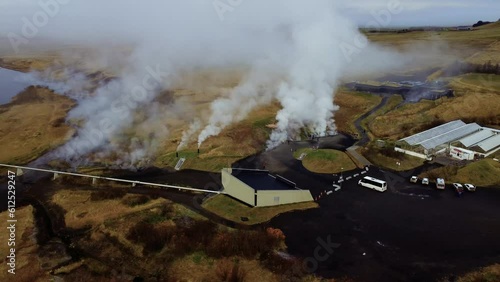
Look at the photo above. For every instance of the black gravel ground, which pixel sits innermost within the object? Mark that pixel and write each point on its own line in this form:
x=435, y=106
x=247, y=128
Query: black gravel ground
x=410, y=232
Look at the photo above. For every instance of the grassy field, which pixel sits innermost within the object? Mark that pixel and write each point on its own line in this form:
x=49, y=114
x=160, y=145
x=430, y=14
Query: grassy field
x=199, y=267
x=232, y=209
x=27, y=269
x=463, y=43
x=484, y=173
x=249, y=136
x=387, y=158
x=32, y=125
x=486, y=274
x=352, y=106
x=235, y=142
x=478, y=99
x=26, y=63
x=475, y=83
x=82, y=211
x=368, y=122
x=325, y=161
x=178, y=243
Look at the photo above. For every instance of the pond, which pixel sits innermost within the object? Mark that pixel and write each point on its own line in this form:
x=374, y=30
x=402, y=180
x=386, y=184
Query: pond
x=11, y=83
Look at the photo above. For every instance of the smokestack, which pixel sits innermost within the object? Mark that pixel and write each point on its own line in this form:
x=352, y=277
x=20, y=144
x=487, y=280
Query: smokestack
x=176, y=154
x=198, y=151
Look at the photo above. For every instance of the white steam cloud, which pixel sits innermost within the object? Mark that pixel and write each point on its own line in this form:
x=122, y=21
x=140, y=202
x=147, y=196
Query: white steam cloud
x=292, y=51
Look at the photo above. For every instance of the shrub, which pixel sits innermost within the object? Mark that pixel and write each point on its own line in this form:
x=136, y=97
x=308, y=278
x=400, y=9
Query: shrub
x=283, y=264
x=195, y=236
x=107, y=194
x=166, y=209
x=135, y=200
x=391, y=153
x=245, y=243
x=228, y=271
x=153, y=238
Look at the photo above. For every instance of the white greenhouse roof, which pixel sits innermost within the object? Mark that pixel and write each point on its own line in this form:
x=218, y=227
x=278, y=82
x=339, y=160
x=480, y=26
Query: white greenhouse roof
x=433, y=132
x=475, y=138
x=450, y=136
x=490, y=143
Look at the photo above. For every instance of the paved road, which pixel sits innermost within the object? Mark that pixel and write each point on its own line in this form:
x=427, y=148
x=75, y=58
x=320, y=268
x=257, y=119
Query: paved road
x=354, y=154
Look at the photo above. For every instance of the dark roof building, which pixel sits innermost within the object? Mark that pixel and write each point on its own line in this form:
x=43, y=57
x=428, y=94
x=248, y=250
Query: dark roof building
x=259, y=188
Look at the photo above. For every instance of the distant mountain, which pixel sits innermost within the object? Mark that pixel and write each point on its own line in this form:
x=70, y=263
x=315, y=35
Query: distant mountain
x=481, y=23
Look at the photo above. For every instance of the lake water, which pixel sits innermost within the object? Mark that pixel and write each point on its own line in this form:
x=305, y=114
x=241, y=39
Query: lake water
x=11, y=84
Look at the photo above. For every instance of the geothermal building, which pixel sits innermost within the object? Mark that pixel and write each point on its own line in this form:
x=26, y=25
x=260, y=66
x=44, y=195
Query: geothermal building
x=258, y=188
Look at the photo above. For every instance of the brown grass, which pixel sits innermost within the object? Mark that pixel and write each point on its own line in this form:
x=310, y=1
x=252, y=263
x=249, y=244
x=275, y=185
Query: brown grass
x=235, y=142
x=369, y=122
x=487, y=274
x=81, y=212
x=26, y=63
x=458, y=42
x=478, y=99
x=325, y=161
x=27, y=265
x=385, y=159
x=33, y=124
x=352, y=106
x=198, y=267
x=232, y=209
x=484, y=173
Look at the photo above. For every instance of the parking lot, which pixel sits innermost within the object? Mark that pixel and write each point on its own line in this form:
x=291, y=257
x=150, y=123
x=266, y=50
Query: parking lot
x=411, y=232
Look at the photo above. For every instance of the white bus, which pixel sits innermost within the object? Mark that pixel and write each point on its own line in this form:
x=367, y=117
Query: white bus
x=373, y=183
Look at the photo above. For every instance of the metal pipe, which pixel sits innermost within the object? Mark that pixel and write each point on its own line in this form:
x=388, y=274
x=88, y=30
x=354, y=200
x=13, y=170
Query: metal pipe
x=115, y=179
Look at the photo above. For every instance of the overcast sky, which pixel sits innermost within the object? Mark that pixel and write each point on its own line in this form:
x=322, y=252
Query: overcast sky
x=426, y=12
x=413, y=13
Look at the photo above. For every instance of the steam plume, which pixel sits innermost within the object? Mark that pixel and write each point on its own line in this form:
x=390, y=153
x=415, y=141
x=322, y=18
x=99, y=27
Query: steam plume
x=292, y=51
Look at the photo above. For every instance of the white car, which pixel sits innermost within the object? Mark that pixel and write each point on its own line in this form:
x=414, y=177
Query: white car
x=413, y=179
x=425, y=181
x=470, y=187
x=440, y=184
x=458, y=188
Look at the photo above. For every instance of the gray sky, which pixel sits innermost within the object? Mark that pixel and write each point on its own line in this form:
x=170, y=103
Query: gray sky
x=425, y=12
x=414, y=12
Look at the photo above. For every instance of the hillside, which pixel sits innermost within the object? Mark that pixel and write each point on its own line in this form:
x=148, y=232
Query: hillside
x=249, y=136
x=32, y=124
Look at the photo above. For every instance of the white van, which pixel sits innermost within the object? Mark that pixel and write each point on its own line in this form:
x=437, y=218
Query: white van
x=440, y=184
x=373, y=183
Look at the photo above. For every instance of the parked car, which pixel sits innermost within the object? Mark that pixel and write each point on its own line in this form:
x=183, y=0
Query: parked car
x=458, y=188
x=413, y=179
x=470, y=187
x=425, y=181
x=440, y=184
